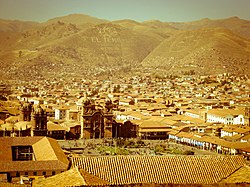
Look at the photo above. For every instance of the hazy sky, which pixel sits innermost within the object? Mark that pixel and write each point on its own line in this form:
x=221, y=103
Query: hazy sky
x=139, y=10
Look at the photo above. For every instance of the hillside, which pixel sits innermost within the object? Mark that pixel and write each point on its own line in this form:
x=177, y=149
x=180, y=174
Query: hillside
x=85, y=46
x=15, y=25
x=61, y=49
x=235, y=24
x=204, y=51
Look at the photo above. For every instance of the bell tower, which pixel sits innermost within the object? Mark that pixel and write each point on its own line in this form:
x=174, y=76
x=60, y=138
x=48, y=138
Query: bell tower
x=26, y=110
x=39, y=122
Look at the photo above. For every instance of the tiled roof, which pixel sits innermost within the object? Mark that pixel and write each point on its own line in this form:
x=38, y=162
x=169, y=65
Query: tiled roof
x=240, y=176
x=119, y=170
x=225, y=112
x=48, y=154
x=153, y=124
x=54, y=127
x=71, y=177
x=92, y=179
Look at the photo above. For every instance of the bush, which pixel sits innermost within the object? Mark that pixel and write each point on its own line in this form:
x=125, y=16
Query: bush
x=188, y=152
x=159, y=148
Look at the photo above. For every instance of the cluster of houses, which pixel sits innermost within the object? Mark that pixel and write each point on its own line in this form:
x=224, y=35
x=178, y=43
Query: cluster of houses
x=210, y=113
x=185, y=109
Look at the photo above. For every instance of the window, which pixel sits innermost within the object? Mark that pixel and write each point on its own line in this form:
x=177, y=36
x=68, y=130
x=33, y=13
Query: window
x=35, y=173
x=22, y=153
x=44, y=173
x=26, y=173
x=53, y=172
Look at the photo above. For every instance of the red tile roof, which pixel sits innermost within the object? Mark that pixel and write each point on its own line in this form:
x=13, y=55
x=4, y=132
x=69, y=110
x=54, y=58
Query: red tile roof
x=49, y=154
x=119, y=170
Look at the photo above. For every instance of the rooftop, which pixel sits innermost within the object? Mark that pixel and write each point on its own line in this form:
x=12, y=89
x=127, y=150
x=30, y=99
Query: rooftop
x=48, y=155
x=120, y=170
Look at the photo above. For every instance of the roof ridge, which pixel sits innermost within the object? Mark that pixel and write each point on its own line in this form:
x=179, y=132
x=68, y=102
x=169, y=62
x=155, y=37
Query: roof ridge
x=236, y=170
x=83, y=180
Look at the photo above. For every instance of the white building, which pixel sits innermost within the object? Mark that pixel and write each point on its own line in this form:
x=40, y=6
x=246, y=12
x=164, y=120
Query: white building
x=60, y=113
x=225, y=116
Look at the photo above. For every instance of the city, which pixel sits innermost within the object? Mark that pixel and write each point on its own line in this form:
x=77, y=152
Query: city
x=124, y=93
x=141, y=116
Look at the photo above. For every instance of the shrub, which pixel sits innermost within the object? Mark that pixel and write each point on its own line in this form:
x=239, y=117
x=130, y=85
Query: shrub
x=188, y=152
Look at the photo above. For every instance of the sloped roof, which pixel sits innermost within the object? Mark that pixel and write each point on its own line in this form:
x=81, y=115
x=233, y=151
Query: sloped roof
x=71, y=177
x=242, y=175
x=22, y=125
x=54, y=127
x=119, y=170
x=47, y=152
x=225, y=112
x=153, y=124
x=92, y=179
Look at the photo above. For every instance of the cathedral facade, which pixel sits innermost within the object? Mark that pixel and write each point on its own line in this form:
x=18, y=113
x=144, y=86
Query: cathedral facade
x=37, y=117
x=96, y=120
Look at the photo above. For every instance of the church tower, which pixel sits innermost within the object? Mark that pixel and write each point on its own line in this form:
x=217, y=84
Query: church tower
x=26, y=110
x=39, y=122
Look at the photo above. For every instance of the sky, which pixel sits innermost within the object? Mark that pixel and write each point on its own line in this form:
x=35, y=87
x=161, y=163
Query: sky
x=138, y=10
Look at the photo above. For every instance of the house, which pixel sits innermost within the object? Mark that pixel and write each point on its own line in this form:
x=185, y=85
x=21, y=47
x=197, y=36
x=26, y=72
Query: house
x=225, y=116
x=193, y=113
x=72, y=114
x=151, y=129
x=56, y=131
x=126, y=102
x=31, y=157
x=60, y=113
x=235, y=130
x=247, y=115
x=126, y=129
x=133, y=115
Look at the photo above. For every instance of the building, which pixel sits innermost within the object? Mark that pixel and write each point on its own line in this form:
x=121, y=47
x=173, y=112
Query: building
x=125, y=129
x=150, y=129
x=32, y=121
x=60, y=113
x=235, y=117
x=247, y=116
x=189, y=170
x=96, y=120
x=39, y=122
x=56, y=131
x=31, y=157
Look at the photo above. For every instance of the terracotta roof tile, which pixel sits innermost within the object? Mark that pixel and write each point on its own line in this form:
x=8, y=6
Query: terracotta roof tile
x=68, y=178
x=119, y=170
x=48, y=154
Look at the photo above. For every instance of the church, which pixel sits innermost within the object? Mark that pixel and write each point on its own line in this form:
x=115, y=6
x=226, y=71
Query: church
x=32, y=121
x=96, y=120
x=37, y=117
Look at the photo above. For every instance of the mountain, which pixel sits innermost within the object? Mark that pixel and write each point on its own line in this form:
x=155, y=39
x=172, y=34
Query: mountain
x=59, y=48
x=77, y=19
x=203, y=51
x=15, y=25
x=85, y=46
x=235, y=24
x=152, y=27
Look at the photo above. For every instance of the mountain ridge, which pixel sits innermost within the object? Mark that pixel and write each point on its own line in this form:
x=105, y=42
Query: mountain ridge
x=73, y=44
